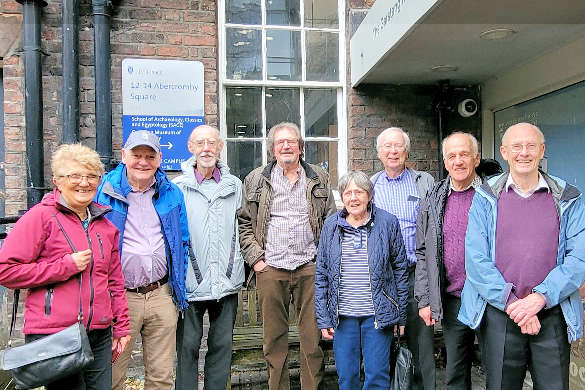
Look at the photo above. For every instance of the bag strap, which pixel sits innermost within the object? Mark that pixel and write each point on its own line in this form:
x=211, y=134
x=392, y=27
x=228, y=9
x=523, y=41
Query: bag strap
x=79, y=277
x=14, y=310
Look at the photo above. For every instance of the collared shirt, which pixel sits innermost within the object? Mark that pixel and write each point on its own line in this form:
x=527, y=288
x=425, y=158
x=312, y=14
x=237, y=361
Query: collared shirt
x=475, y=183
x=399, y=196
x=143, y=256
x=289, y=239
x=542, y=185
x=215, y=175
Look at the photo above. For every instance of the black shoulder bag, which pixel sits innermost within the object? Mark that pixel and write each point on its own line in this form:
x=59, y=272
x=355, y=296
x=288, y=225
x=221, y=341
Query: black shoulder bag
x=50, y=358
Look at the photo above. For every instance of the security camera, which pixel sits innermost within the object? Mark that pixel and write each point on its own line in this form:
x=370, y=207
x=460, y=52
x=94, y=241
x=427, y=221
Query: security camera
x=467, y=108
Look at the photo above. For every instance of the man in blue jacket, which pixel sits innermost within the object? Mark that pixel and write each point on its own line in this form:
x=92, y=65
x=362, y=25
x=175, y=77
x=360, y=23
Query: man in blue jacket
x=525, y=261
x=149, y=212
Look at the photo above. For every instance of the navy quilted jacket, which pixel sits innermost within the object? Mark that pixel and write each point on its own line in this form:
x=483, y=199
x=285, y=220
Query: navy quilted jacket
x=388, y=270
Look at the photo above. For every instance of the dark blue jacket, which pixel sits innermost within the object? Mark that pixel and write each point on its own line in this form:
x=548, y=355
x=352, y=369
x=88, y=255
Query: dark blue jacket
x=170, y=206
x=388, y=270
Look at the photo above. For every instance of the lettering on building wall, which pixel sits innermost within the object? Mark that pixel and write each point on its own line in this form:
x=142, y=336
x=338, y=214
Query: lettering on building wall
x=386, y=19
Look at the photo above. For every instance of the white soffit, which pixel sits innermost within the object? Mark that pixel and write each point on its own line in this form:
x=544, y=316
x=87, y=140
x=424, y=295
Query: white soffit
x=399, y=41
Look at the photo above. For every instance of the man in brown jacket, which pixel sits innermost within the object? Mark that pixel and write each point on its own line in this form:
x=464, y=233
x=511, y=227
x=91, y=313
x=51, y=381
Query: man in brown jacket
x=284, y=206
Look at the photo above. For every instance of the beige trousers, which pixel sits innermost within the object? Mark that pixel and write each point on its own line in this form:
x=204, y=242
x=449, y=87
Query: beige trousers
x=154, y=316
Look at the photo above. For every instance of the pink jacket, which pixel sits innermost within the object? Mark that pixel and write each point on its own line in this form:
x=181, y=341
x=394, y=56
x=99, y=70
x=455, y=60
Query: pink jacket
x=37, y=256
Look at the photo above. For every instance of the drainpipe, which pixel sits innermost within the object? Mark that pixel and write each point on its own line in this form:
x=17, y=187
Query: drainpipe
x=102, y=13
x=70, y=22
x=441, y=106
x=33, y=100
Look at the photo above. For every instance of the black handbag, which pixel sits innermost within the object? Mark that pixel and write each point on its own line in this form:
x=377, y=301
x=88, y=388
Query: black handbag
x=403, y=369
x=52, y=357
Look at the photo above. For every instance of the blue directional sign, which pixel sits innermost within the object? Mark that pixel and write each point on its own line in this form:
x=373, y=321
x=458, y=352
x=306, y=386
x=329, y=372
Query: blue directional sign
x=165, y=97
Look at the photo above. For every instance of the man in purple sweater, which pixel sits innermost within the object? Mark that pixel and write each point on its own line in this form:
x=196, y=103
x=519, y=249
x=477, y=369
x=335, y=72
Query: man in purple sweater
x=525, y=261
x=440, y=254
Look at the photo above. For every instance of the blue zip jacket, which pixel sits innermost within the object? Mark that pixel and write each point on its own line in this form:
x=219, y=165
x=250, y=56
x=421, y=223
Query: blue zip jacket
x=484, y=284
x=387, y=263
x=168, y=203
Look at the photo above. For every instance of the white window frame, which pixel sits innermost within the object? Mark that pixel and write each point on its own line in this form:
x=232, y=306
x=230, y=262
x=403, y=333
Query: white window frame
x=340, y=85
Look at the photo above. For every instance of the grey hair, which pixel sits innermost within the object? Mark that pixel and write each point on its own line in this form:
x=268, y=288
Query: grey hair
x=192, y=135
x=474, y=143
x=280, y=126
x=394, y=130
x=360, y=179
x=535, y=128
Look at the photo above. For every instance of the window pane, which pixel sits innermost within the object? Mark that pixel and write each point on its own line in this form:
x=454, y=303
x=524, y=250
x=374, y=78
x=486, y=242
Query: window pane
x=323, y=154
x=244, y=54
x=243, y=156
x=243, y=11
x=321, y=112
x=321, y=13
x=282, y=105
x=283, y=12
x=283, y=49
x=243, y=112
x=322, y=56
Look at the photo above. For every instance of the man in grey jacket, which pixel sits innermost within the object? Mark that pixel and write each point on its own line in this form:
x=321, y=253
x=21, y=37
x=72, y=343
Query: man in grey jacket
x=216, y=270
x=399, y=190
x=440, y=253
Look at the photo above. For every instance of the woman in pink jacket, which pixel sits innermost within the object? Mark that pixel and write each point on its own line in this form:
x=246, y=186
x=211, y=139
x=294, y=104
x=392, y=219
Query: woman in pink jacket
x=37, y=256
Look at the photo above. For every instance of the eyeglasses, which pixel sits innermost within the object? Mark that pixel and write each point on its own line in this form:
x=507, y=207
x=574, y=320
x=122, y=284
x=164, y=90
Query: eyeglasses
x=211, y=142
x=290, y=141
x=357, y=193
x=76, y=178
x=396, y=147
x=517, y=148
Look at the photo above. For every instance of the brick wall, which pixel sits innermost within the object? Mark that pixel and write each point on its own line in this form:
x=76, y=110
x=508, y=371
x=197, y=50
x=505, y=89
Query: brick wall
x=160, y=29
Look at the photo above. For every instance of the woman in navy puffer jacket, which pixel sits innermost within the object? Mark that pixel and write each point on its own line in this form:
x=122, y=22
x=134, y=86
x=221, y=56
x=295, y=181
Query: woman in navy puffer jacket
x=361, y=284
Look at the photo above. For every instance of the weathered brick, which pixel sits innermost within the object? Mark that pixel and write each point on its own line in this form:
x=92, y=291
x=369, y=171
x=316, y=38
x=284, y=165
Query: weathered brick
x=13, y=158
x=190, y=40
x=13, y=108
x=172, y=51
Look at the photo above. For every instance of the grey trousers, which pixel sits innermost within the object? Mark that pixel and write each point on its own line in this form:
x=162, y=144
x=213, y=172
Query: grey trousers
x=507, y=353
x=222, y=316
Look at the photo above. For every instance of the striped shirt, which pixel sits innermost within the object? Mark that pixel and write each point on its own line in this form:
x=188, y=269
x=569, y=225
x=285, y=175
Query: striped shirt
x=355, y=289
x=289, y=239
x=400, y=197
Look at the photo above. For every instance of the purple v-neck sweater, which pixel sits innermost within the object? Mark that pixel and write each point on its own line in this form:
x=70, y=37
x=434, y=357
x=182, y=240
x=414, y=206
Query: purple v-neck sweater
x=527, y=238
x=454, y=227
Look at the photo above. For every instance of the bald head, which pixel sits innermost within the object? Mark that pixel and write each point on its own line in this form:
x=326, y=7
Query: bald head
x=204, y=128
x=522, y=126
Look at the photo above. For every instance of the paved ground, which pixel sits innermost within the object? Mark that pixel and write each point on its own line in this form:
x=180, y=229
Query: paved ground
x=136, y=373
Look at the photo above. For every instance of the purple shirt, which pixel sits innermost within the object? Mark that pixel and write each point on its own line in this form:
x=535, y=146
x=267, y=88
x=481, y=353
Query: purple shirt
x=215, y=175
x=527, y=234
x=454, y=227
x=143, y=256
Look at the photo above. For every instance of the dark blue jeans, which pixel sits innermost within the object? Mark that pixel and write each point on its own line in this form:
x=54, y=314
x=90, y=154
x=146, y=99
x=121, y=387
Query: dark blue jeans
x=356, y=337
x=98, y=375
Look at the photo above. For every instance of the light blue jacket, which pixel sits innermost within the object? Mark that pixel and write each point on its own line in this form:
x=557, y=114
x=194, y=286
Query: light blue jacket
x=217, y=269
x=484, y=283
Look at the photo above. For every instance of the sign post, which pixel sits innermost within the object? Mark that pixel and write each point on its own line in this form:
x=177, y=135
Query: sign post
x=165, y=97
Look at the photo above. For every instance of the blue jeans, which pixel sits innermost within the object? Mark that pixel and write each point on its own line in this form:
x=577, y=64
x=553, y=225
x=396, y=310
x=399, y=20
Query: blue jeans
x=356, y=337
